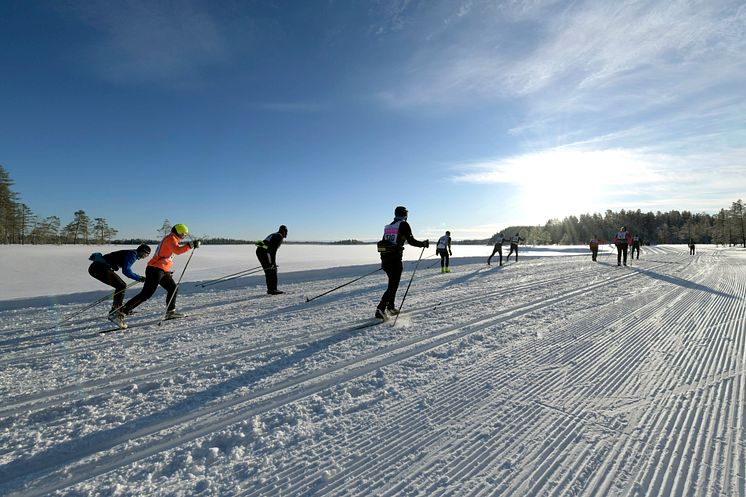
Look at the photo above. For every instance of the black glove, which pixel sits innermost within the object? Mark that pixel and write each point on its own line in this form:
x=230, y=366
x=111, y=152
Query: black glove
x=427, y=243
x=196, y=243
x=142, y=279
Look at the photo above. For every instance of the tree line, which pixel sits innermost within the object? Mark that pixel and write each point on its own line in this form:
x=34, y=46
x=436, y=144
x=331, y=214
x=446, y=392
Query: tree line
x=727, y=227
x=19, y=224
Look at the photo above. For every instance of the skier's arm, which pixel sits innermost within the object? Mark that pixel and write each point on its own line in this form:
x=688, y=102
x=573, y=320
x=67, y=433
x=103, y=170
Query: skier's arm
x=130, y=259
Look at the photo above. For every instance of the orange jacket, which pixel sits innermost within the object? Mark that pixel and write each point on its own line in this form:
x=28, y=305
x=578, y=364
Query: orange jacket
x=164, y=253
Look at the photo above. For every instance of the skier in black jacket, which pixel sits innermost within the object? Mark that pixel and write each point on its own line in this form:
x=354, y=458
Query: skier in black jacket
x=103, y=269
x=391, y=248
x=266, y=252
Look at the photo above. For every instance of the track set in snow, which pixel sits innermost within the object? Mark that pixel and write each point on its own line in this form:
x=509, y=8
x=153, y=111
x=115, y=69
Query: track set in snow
x=552, y=376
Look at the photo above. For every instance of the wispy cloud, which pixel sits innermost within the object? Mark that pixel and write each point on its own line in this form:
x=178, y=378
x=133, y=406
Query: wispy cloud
x=152, y=42
x=577, y=179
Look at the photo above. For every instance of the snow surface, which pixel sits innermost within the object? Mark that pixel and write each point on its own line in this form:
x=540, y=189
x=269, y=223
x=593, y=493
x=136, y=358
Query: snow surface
x=551, y=376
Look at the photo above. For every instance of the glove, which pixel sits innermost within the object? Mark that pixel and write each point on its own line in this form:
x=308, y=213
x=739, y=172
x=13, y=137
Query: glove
x=142, y=279
x=196, y=243
x=450, y=253
x=427, y=243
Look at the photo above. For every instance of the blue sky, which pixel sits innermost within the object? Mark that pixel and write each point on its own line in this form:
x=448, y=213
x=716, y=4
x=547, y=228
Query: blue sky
x=236, y=116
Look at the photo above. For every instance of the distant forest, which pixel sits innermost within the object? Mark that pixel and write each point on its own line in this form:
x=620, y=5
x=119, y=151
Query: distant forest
x=19, y=225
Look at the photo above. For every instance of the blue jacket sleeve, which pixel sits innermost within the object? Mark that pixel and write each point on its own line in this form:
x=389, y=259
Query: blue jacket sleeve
x=130, y=259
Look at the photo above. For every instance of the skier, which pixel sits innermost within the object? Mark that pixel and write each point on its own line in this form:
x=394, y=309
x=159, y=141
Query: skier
x=622, y=240
x=158, y=272
x=514, y=246
x=691, y=246
x=391, y=248
x=593, y=244
x=443, y=249
x=266, y=252
x=498, y=248
x=635, y=246
x=103, y=269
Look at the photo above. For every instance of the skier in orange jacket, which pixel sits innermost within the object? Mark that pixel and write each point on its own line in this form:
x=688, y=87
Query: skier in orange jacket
x=158, y=272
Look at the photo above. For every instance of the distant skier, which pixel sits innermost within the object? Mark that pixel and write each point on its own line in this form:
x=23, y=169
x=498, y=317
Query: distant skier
x=103, y=269
x=443, y=249
x=691, y=246
x=635, y=246
x=593, y=244
x=622, y=240
x=391, y=248
x=514, y=246
x=158, y=272
x=266, y=252
x=499, y=239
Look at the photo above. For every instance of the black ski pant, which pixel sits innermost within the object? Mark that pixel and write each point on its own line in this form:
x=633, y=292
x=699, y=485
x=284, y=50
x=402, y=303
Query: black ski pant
x=497, y=250
x=393, y=268
x=594, y=253
x=513, y=246
x=637, y=248
x=444, y=259
x=621, y=252
x=104, y=274
x=270, y=271
x=154, y=276
x=691, y=250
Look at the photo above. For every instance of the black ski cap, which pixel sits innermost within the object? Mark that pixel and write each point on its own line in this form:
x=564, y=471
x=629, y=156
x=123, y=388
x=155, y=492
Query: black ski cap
x=401, y=211
x=145, y=249
x=283, y=230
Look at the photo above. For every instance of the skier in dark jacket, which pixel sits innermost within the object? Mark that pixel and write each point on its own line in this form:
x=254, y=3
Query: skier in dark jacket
x=622, y=240
x=499, y=239
x=103, y=269
x=391, y=248
x=635, y=246
x=266, y=252
x=514, y=246
x=691, y=246
x=443, y=249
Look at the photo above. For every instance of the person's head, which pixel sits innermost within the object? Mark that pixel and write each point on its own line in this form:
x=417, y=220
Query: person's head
x=448, y=233
x=401, y=212
x=516, y=233
x=143, y=251
x=180, y=230
x=623, y=228
x=283, y=230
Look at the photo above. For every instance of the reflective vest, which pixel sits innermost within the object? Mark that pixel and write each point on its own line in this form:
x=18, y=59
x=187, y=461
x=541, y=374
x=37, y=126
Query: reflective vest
x=443, y=242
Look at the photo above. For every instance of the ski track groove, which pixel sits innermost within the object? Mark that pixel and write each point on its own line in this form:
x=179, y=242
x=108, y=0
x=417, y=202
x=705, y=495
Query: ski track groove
x=703, y=403
x=450, y=333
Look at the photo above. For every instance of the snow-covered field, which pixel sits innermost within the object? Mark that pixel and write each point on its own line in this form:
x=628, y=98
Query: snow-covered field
x=552, y=376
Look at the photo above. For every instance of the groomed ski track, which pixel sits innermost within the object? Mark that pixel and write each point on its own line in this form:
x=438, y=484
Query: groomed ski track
x=551, y=376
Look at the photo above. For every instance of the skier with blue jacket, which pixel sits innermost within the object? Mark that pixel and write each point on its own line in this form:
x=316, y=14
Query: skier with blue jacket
x=103, y=269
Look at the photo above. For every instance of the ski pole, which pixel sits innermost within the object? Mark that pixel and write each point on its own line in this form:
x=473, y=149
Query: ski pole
x=408, y=285
x=94, y=304
x=229, y=277
x=177, y=286
x=340, y=286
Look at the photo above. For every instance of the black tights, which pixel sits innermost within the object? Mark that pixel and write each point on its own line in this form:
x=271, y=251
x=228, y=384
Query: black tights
x=153, y=277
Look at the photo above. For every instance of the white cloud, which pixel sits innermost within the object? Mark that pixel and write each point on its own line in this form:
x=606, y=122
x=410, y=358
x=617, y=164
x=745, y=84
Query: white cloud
x=564, y=181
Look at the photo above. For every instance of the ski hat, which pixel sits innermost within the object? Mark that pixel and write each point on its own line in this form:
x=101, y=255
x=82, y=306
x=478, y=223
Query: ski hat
x=143, y=249
x=180, y=229
x=623, y=228
x=283, y=230
x=401, y=211
x=448, y=233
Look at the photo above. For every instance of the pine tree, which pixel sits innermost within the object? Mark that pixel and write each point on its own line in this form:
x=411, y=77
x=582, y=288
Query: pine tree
x=165, y=229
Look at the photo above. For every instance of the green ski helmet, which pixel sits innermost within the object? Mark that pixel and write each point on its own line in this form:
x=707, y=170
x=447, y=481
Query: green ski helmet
x=180, y=229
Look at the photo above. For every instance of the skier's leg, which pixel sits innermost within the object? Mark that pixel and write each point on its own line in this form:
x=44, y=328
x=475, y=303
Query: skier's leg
x=152, y=279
